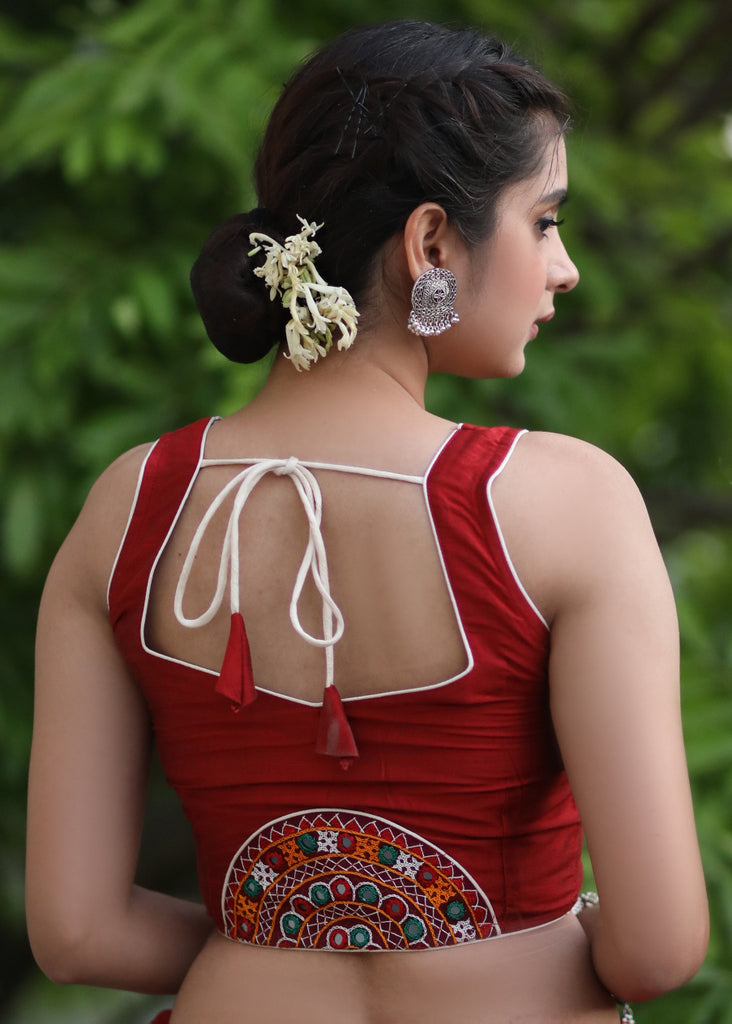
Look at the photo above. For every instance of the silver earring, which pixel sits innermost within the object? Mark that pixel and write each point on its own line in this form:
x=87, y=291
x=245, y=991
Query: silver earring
x=433, y=298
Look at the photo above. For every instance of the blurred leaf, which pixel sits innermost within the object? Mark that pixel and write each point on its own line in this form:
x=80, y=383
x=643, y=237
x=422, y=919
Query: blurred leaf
x=22, y=525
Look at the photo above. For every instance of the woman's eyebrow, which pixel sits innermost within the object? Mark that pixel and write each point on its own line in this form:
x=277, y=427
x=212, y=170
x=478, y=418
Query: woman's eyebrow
x=557, y=198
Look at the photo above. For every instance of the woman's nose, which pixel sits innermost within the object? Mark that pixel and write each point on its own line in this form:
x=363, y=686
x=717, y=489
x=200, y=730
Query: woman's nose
x=564, y=275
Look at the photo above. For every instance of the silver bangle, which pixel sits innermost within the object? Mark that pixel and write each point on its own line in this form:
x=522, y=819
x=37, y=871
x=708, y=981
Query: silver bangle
x=585, y=899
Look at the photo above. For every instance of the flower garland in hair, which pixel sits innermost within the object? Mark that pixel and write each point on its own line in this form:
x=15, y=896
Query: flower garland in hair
x=320, y=313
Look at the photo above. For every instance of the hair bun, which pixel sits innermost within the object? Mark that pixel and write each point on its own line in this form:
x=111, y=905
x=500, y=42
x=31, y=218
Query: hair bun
x=237, y=313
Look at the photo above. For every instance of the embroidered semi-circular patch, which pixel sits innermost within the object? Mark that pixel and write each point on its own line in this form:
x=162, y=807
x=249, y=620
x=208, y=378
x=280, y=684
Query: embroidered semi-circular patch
x=342, y=880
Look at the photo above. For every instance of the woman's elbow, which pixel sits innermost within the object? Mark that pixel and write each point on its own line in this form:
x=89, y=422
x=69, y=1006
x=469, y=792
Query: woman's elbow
x=61, y=951
x=639, y=975
x=642, y=983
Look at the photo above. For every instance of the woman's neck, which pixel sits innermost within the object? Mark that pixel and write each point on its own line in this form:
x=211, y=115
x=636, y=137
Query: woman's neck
x=387, y=366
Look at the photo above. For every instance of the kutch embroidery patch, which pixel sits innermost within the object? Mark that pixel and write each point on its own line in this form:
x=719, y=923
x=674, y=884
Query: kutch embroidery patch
x=342, y=880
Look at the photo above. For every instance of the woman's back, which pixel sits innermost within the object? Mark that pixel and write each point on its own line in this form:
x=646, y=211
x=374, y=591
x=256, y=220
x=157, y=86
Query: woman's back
x=383, y=559
x=392, y=553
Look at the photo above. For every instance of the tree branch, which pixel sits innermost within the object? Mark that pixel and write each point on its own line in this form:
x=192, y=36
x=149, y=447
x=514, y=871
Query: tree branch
x=618, y=57
x=632, y=40
x=705, y=50
x=714, y=97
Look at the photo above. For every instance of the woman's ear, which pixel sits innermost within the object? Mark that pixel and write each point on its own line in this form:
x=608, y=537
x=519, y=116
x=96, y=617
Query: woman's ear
x=427, y=239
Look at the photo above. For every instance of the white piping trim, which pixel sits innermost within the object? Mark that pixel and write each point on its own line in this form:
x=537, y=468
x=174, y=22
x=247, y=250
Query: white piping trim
x=456, y=612
x=502, y=539
x=138, y=488
x=360, y=470
x=174, y=523
x=423, y=480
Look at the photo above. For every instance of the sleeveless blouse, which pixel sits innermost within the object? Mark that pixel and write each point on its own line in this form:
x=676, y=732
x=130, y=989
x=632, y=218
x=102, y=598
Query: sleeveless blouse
x=454, y=820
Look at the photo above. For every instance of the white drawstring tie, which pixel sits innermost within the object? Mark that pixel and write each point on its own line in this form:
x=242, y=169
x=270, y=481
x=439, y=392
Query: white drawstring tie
x=314, y=562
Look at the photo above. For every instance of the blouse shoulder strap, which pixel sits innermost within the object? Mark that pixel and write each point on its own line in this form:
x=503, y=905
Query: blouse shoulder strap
x=166, y=476
x=473, y=455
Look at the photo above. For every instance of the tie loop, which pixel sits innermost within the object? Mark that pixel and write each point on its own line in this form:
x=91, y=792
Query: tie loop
x=314, y=560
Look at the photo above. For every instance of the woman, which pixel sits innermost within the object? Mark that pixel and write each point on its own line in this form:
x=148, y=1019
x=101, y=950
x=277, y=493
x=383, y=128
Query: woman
x=385, y=745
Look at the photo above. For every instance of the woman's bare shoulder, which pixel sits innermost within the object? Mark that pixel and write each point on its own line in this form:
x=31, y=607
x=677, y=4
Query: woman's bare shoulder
x=93, y=542
x=118, y=482
x=569, y=512
x=564, y=479
x=560, y=456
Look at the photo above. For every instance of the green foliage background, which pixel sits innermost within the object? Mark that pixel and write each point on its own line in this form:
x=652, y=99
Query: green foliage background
x=127, y=130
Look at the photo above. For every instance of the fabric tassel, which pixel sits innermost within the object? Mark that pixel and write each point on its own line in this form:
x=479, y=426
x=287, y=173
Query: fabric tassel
x=334, y=732
x=236, y=680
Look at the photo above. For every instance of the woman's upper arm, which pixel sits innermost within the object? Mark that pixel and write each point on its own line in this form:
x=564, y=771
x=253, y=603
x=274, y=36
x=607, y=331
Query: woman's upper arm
x=583, y=544
x=91, y=736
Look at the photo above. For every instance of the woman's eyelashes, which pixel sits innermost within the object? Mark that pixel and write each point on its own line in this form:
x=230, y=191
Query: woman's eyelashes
x=544, y=223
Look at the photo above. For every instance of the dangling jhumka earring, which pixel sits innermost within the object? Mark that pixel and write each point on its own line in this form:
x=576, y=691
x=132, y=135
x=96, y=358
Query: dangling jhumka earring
x=433, y=298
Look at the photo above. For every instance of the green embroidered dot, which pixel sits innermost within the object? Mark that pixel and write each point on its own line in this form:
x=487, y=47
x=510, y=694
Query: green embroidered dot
x=359, y=937
x=320, y=895
x=252, y=888
x=388, y=854
x=367, y=893
x=291, y=924
x=308, y=842
x=413, y=929
x=455, y=910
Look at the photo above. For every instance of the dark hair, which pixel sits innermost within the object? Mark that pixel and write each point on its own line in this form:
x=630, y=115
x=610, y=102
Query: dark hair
x=382, y=119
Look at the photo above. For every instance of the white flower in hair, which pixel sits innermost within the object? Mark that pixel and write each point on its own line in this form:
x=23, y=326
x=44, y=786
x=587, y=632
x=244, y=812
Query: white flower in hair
x=320, y=313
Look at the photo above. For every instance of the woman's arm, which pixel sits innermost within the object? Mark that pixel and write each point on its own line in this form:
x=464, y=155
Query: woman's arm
x=583, y=544
x=88, y=922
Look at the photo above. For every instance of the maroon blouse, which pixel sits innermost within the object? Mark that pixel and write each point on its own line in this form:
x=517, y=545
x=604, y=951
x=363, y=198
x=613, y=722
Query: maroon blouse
x=454, y=822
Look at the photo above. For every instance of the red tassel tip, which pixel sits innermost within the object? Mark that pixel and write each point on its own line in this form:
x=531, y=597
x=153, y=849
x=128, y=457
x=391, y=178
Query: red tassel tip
x=236, y=680
x=334, y=733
